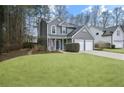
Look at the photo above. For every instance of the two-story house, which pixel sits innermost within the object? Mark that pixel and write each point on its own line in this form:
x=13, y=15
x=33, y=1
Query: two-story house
x=56, y=33
x=113, y=35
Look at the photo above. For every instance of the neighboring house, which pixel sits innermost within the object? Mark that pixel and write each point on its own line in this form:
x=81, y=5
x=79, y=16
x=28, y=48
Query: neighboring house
x=97, y=33
x=113, y=35
x=56, y=33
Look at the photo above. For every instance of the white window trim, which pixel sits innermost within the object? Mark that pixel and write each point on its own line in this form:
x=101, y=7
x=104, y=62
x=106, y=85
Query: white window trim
x=65, y=29
x=51, y=29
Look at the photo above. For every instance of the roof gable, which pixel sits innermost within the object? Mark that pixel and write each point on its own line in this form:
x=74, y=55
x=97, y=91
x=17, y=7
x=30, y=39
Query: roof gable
x=110, y=30
x=58, y=19
x=81, y=33
x=63, y=23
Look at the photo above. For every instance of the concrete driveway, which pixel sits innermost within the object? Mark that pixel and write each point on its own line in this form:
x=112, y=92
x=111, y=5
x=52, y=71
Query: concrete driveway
x=107, y=54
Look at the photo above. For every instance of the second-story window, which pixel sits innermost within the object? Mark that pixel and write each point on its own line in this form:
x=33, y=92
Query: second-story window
x=53, y=29
x=64, y=30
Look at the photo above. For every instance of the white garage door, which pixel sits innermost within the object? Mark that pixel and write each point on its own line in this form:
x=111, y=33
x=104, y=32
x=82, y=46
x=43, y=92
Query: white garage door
x=81, y=42
x=88, y=44
x=118, y=44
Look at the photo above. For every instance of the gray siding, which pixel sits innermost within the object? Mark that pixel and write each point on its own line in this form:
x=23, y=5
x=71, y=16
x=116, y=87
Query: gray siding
x=54, y=22
x=83, y=35
x=69, y=30
x=58, y=28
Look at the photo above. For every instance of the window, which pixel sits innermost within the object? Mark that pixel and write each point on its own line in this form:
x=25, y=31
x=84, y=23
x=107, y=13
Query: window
x=118, y=32
x=97, y=33
x=53, y=29
x=64, y=30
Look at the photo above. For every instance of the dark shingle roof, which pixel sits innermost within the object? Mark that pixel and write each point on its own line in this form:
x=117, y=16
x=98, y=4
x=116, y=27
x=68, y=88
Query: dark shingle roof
x=74, y=31
x=67, y=24
x=109, y=31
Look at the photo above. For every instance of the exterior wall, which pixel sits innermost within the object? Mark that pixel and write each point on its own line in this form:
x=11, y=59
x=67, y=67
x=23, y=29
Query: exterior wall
x=82, y=34
x=97, y=38
x=58, y=29
x=106, y=39
x=118, y=41
x=54, y=22
x=69, y=30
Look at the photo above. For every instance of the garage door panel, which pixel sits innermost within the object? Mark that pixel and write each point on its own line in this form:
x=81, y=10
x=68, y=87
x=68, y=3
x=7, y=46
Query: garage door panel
x=81, y=43
x=118, y=45
x=88, y=45
x=85, y=44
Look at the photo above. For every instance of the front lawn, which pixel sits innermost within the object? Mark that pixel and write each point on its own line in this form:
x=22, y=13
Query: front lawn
x=62, y=70
x=115, y=50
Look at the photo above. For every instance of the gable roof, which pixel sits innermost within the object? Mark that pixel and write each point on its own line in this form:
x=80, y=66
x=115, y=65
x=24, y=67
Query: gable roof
x=83, y=35
x=56, y=19
x=109, y=31
x=63, y=23
x=74, y=31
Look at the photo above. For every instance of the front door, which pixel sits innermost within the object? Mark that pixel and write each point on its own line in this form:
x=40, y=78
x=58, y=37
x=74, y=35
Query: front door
x=58, y=44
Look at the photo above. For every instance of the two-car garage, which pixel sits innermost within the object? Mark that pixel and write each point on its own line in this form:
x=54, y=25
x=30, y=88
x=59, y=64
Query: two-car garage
x=84, y=38
x=85, y=45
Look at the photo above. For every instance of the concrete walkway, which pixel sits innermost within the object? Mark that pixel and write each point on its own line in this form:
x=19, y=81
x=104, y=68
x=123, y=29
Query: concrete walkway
x=107, y=54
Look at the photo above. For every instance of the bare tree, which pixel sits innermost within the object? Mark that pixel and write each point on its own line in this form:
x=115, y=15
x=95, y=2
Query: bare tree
x=1, y=26
x=94, y=15
x=104, y=19
x=61, y=11
x=86, y=18
x=117, y=13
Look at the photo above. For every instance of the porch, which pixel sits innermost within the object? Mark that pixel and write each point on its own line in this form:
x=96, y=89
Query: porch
x=57, y=44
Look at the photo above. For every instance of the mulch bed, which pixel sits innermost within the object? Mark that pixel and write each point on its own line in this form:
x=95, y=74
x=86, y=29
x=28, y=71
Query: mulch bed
x=12, y=54
x=21, y=52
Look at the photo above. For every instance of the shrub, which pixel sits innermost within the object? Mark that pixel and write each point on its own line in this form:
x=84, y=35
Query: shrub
x=102, y=45
x=28, y=45
x=112, y=46
x=72, y=47
x=39, y=47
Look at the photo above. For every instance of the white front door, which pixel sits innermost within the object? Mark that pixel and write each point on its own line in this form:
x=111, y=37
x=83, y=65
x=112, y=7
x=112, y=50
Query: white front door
x=88, y=44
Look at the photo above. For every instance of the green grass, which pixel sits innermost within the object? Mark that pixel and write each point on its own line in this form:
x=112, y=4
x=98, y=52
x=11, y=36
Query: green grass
x=62, y=70
x=115, y=50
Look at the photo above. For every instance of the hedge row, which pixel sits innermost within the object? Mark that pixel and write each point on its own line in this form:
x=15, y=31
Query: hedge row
x=72, y=47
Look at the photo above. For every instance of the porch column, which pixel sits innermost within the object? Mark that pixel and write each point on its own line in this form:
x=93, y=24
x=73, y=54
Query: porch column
x=55, y=44
x=62, y=44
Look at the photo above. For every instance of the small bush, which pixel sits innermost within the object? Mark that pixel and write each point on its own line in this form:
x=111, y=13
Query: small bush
x=102, y=45
x=39, y=47
x=28, y=45
x=112, y=46
x=72, y=47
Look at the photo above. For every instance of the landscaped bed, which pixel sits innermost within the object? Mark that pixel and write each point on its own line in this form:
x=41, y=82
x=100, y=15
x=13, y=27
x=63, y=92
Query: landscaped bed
x=115, y=50
x=57, y=69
